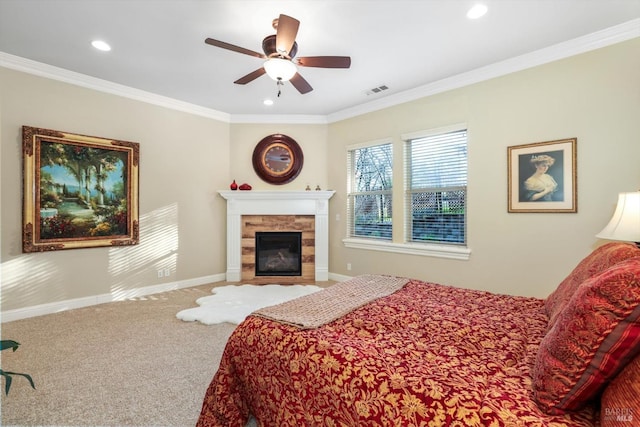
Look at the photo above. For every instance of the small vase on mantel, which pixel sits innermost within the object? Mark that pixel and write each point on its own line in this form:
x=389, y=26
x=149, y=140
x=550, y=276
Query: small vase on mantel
x=233, y=185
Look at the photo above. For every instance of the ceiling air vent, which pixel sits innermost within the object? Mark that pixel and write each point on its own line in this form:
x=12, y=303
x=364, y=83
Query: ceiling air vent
x=376, y=90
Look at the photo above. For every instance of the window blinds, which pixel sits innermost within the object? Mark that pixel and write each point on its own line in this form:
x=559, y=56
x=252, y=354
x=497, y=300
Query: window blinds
x=436, y=180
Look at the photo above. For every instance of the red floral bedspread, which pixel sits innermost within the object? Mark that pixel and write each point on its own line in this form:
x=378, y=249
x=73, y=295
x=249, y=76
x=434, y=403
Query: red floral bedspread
x=427, y=355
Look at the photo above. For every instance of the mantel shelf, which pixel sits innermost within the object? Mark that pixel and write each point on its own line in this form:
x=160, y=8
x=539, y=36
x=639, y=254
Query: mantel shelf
x=276, y=195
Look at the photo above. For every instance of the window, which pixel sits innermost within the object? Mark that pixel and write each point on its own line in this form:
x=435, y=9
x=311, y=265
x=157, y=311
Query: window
x=436, y=182
x=370, y=191
x=430, y=201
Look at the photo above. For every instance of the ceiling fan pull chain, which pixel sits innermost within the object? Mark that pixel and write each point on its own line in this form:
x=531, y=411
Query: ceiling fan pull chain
x=279, y=83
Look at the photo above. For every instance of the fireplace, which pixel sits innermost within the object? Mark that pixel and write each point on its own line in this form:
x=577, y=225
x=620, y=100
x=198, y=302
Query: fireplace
x=278, y=253
x=249, y=212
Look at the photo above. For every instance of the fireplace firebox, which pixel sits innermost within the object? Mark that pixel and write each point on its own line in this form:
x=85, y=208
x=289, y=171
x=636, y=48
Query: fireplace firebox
x=278, y=253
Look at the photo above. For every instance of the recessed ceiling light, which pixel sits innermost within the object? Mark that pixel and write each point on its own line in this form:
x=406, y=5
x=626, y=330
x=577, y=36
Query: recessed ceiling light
x=101, y=45
x=477, y=11
x=268, y=102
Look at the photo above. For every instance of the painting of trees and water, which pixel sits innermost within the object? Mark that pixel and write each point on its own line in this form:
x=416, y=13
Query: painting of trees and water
x=84, y=191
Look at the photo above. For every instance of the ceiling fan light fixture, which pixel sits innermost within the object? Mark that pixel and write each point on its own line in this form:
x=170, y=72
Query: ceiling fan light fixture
x=280, y=69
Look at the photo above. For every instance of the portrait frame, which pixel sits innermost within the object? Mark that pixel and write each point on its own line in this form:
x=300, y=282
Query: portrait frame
x=79, y=191
x=531, y=188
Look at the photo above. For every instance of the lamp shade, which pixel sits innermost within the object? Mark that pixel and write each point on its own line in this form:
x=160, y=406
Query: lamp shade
x=280, y=69
x=625, y=223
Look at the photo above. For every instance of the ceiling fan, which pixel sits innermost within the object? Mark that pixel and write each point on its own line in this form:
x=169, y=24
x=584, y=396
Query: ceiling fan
x=279, y=52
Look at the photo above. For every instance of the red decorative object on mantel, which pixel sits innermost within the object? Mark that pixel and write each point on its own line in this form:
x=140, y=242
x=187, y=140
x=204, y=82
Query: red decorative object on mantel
x=245, y=187
x=233, y=185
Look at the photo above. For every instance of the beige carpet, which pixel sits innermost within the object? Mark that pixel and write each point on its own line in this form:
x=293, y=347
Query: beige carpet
x=129, y=363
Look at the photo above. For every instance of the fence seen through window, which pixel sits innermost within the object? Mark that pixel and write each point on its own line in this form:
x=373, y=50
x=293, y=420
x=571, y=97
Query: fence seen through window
x=436, y=168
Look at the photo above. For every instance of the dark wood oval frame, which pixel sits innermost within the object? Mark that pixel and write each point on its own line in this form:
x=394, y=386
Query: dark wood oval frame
x=296, y=162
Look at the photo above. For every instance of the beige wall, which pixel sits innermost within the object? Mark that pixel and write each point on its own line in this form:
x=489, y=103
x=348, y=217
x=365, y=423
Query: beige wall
x=311, y=138
x=184, y=159
x=594, y=97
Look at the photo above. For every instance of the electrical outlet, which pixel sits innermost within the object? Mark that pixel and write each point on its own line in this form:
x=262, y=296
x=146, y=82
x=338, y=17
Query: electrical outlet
x=349, y=266
x=160, y=275
x=167, y=272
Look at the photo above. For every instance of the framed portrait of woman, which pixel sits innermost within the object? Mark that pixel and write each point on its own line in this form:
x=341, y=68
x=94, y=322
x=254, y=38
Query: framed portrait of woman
x=542, y=177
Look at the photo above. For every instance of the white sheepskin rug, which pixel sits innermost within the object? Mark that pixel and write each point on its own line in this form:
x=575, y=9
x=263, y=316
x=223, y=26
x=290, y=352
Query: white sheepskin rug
x=233, y=303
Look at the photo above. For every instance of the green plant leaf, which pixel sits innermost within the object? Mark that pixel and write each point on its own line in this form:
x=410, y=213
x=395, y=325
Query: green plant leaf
x=5, y=344
x=9, y=378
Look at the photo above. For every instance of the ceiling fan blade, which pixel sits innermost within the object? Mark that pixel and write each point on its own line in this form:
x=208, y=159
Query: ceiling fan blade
x=233, y=47
x=301, y=84
x=325, y=61
x=286, y=33
x=250, y=77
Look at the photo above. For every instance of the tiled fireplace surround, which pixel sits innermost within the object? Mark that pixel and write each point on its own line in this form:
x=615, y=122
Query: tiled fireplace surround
x=255, y=210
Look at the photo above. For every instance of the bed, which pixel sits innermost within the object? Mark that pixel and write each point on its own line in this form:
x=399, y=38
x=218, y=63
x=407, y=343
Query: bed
x=390, y=351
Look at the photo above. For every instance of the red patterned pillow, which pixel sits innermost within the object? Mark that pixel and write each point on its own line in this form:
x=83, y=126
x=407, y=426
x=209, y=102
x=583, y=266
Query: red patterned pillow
x=621, y=399
x=596, y=334
x=599, y=260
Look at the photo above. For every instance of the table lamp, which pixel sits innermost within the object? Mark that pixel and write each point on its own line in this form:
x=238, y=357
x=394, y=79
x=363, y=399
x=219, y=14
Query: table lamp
x=625, y=223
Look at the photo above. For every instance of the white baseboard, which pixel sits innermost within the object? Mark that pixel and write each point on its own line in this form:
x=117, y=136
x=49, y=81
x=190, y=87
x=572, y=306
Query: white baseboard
x=56, y=307
x=339, y=277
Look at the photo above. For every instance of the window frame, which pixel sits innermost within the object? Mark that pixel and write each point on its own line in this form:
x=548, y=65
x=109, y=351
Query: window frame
x=351, y=194
x=437, y=250
x=408, y=140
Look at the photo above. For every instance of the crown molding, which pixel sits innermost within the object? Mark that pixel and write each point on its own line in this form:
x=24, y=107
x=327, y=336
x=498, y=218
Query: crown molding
x=617, y=34
x=60, y=74
x=597, y=40
x=292, y=119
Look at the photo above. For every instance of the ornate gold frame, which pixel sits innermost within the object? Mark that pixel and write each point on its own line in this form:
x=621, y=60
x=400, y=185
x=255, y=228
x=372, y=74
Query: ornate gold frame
x=99, y=209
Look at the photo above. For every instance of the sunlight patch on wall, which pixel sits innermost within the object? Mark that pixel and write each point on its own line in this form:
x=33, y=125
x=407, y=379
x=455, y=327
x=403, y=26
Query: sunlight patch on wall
x=133, y=267
x=27, y=276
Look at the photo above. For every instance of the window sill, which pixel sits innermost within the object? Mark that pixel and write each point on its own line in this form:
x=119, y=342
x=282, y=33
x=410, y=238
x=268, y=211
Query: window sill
x=438, y=251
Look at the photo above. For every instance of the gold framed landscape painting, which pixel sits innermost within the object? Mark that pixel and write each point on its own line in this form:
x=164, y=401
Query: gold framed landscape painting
x=78, y=191
x=542, y=177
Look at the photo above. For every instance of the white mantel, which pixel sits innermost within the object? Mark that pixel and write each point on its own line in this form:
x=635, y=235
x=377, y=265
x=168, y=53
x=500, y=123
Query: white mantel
x=257, y=202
